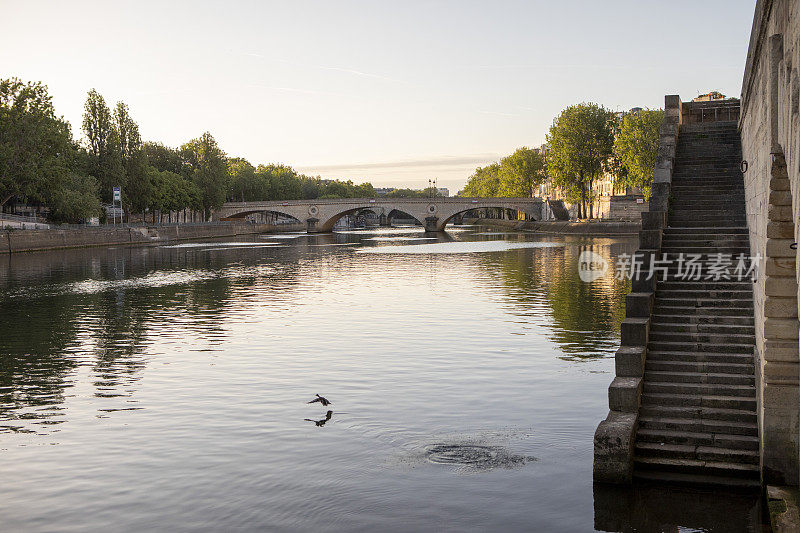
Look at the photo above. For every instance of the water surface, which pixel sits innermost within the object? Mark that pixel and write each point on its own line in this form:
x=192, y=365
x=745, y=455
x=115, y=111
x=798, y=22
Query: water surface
x=166, y=388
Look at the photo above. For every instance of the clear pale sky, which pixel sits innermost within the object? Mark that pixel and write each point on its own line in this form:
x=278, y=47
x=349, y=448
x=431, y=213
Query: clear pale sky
x=389, y=92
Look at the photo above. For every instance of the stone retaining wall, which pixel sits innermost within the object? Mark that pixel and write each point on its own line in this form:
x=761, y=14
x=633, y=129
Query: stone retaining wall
x=14, y=241
x=770, y=128
x=599, y=228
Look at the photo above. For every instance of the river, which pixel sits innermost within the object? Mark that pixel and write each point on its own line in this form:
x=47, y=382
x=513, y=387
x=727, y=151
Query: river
x=165, y=388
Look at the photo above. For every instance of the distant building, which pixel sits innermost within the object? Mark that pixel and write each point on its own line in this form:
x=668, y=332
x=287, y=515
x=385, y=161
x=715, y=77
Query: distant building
x=383, y=191
x=708, y=97
x=444, y=191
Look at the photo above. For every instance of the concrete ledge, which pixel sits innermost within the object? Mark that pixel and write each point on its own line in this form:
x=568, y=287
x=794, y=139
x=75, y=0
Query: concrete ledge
x=654, y=220
x=613, y=448
x=629, y=361
x=784, y=508
x=624, y=394
x=650, y=239
x=635, y=331
x=639, y=304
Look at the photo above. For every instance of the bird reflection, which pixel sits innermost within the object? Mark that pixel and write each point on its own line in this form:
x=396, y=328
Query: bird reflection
x=320, y=423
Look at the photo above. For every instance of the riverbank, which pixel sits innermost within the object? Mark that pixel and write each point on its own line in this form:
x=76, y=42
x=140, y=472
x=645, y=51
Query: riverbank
x=14, y=241
x=595, y=228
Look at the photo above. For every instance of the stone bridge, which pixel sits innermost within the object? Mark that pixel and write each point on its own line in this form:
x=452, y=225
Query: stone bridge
x=321, y=215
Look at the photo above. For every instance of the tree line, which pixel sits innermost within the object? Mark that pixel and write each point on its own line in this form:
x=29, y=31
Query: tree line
x=42, y=165
x=585, y=142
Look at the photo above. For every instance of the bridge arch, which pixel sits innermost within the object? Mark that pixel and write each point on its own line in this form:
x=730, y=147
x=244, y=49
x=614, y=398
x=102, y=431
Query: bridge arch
x=244, y=214
x=327, y=225
x=534, y=214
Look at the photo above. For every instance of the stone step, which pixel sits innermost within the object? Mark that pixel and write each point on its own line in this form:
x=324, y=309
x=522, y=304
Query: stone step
x=743, y=348
x=732, y=252
x=698, y=466
x=706, y=223
x=706, y=232
x=702, y=215
x=738, y=421
x=723, y=428
x=660, y=376
x=696, y=480
x=657, y=326
x=709, y=303
x=663, y=309
x=665, y=293
x=691, y=203
x=665, y=335
x=706, y=179
x=732, y=241
x=699, y=400
x=746, y=320
x=700, y=389
x=700, y=367
x=699, y=356
x=675, y=436
x=698, y=452
x=707, y=285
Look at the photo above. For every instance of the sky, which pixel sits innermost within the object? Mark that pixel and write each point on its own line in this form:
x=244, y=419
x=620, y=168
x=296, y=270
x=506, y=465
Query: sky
x=395, y=93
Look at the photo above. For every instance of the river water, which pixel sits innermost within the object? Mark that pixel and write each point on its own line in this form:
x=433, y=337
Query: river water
x=165, y=388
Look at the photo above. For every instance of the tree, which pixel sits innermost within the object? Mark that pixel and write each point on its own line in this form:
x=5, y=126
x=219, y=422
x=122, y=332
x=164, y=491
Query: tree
x=75, y=201
x=244, y=185
x=209, y=171
x=636, y=148
x=521, y=173
x=484, y=183
x=104, y=144
x=165, y=158
x=36, y=148
x=581, y=141
x=133, y=160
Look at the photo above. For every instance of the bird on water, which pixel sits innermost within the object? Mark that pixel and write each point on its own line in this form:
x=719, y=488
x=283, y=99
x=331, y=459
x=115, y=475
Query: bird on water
x=320, y=399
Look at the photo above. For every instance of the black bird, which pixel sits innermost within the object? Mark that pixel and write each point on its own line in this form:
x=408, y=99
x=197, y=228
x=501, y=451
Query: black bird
x=320, y=399
x=320, y=423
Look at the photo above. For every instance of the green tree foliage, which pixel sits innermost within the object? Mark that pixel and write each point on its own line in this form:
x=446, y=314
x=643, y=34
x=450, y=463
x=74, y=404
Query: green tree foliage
x=75, y=201
x=36, y=148
x=138, y=188
x=521, y=173
x=245, y=186
x=104, y=144
x=581, y=141
x=636, y=148
x=209, y=171
x=165, y=158
x=484, y=183
x=171, y=192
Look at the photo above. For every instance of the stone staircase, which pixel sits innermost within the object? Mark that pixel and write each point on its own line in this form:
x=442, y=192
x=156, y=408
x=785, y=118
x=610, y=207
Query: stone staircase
x=697, y=421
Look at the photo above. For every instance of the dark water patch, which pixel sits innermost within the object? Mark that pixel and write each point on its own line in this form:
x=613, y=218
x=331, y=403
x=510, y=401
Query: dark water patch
x=475, y=457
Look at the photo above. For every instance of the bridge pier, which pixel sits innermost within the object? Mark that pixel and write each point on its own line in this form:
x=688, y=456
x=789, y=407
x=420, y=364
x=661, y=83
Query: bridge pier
x=432, y=224
x=384, y=220
x=312, y=225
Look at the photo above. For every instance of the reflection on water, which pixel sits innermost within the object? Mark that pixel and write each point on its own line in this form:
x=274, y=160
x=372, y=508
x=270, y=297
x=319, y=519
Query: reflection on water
x=166, y=387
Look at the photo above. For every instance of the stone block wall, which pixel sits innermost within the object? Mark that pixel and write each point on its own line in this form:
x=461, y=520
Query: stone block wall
x=770, y=128
x=615, y=436
x=627, y=207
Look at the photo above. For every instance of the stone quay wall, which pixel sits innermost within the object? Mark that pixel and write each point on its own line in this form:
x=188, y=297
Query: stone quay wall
x=770, y=130
x=13, y=241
